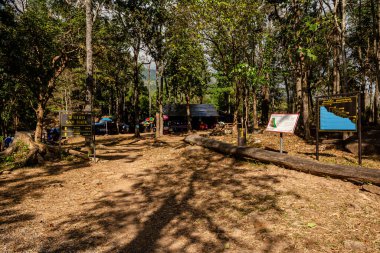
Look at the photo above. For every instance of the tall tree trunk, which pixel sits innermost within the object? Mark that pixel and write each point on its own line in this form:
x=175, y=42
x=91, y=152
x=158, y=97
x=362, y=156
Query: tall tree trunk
x=117, y=105
x=89, y=64
x=159, y=84
x=136, y=91
x=149, y=92
x=40, y=120
x=377, y=88
x=236, y=110
x=375, y=11
x=343, y=44
x=89, y=60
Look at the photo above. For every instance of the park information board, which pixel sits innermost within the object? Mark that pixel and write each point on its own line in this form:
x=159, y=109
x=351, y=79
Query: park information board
x=74, y=124
x=282, y=123
x=338, y=114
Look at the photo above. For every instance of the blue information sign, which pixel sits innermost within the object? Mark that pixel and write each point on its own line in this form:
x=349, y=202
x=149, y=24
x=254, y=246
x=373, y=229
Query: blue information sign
x=338, y=114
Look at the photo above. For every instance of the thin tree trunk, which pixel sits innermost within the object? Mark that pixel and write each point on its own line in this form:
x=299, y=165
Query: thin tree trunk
x=376, y=105
x=149, y=92
x=265, y=104
x=188, y=116
x=305, y=106
x=136, y=91
x=245, y=115
x=288, y=104
x=343, y=44
x=159, y=123
x=254, y=110
x=162, y=100
x=236, y=110
x=299, y=89
x=117, y=107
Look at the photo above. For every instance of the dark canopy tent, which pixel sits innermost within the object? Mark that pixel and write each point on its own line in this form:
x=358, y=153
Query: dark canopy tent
x=199, y=113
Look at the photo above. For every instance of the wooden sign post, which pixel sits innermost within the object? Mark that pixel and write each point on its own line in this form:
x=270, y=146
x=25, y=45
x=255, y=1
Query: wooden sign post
x=75, y=124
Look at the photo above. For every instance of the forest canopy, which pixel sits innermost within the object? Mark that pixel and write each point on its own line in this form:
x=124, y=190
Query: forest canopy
x=248, y=58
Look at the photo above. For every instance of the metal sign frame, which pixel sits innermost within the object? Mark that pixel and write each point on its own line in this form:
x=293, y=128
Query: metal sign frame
x=358, y=122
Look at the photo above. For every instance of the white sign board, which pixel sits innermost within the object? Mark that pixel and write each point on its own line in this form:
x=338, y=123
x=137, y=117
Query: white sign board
x=282, y=123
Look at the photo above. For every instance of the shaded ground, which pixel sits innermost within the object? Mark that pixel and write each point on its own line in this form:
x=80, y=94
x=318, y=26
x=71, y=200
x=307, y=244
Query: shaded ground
x=146, y=196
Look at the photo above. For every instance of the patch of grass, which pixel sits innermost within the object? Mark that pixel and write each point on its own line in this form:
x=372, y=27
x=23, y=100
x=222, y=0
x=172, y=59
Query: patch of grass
x=11, y=161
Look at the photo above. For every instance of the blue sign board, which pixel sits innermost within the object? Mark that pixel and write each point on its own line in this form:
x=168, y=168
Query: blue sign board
x=338, y=114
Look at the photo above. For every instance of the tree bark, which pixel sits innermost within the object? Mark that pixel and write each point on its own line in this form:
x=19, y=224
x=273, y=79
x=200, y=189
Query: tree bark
x=288, y=100
x=298, y=87
x=188, y=116
x=343, y=44
x=265, y=104
x=149, y=93
x=40, y=119
x=254, y=110
x=376, y=49
x=305, y=106
x=336, y=50
x=89, y=65
x=159, y=84
x=236, y=109
x=89, y=53
x=136, y=90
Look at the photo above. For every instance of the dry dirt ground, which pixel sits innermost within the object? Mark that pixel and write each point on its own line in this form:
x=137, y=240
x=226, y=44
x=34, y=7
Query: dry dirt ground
x=166, y=196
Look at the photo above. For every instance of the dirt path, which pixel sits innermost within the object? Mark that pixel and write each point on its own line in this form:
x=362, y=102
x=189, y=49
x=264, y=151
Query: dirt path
x=169, y=197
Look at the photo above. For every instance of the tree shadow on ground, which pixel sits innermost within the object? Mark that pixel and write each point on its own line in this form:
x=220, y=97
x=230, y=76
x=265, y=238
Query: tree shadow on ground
x=22, y=184
x=32, y=183
x=207, y=203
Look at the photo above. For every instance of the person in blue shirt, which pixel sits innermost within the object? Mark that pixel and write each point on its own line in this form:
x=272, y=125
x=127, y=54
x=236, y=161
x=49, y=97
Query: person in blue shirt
x=8, y=141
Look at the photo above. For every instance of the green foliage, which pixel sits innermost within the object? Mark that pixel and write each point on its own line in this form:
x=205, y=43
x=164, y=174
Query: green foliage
x=209, y=50
x=11, y=161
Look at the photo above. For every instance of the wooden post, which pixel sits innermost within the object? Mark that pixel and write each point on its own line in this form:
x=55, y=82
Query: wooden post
x=317, y=131
x=60, y=135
